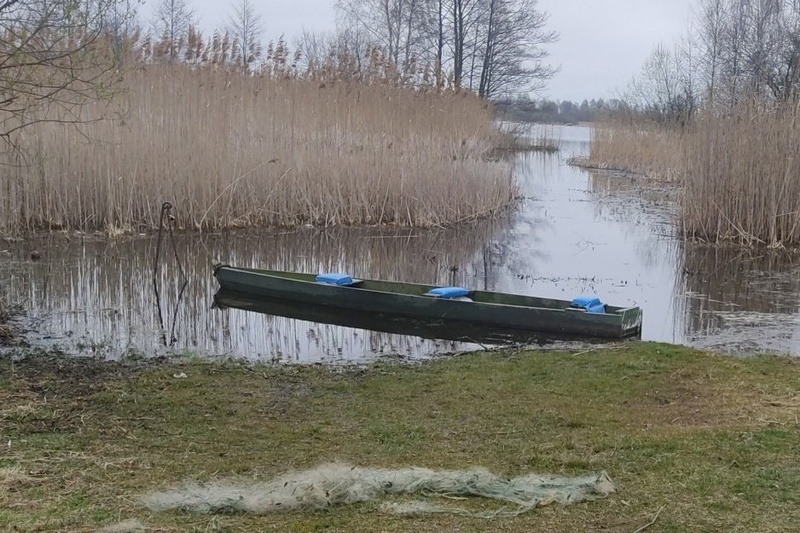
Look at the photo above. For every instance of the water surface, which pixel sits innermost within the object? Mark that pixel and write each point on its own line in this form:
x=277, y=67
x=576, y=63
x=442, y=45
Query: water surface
x=574, y=232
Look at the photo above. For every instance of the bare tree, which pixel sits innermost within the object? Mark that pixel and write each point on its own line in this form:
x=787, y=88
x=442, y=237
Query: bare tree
x=54, y=57
x=761, y=44
x=488, y=46
x=122, y=26
x=245, y=27
x=465, y=20
x=711, y=22
x=688, y=64
x=436, y=18
x=172, y=20
x=315, y=46
x=344, y=55
x=785, y=80
x=655, y=91
x=777, y=48
x=394, y=25
x=666, y=89
x=748, y=49
x=513, y=53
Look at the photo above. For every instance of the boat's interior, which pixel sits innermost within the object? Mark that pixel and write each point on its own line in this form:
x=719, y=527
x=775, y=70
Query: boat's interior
x=417, y=289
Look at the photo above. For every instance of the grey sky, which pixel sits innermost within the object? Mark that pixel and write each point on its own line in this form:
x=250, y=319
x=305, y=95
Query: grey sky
x=602, y=46
x=604, y=43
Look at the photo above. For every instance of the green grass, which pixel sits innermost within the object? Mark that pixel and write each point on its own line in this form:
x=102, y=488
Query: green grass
x=710, y=439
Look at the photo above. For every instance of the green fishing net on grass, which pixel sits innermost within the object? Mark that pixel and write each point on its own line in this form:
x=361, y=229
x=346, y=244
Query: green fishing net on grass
x=341, y=484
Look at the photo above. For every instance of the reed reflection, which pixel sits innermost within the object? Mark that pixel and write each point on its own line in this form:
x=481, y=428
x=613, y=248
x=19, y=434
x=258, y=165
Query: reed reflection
x=745, y=299
x=96, y=296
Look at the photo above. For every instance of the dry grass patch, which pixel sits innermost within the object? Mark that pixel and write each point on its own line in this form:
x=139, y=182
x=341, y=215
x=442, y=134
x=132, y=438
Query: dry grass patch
x=738, y=170
x=637, y=147
x=233, y=151
x=741, y=178
x=711, y=440
x=12, y=477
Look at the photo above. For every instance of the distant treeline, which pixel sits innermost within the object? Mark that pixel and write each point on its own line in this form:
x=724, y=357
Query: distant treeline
x=524, y=109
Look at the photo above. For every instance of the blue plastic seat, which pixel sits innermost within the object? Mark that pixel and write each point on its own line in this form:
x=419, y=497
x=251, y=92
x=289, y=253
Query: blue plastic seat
x=590, y=304
x=448, y=292
x=335, y=279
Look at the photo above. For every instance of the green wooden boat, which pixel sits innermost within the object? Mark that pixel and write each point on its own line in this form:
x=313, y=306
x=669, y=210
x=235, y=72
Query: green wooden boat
x=580, y=318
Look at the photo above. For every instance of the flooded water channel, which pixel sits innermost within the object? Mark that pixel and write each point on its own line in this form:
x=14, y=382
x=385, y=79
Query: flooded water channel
x=575, y=232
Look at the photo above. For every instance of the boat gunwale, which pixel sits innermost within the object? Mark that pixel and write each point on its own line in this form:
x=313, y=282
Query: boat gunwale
x=618, y=312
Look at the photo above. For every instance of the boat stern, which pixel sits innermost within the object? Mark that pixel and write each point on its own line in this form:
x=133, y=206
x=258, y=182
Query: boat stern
x=631, y=322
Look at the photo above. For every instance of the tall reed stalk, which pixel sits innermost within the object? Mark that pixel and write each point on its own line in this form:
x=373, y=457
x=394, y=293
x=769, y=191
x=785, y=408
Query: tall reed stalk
x=742, y=177
x=740, y=171
x=638, y=146
x=231, y=150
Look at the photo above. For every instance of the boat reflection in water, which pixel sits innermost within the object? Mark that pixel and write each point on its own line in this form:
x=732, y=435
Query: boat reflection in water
x=440, y=329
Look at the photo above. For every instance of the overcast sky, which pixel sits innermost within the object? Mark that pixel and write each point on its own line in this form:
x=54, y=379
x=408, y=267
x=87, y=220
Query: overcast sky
x=602, y=46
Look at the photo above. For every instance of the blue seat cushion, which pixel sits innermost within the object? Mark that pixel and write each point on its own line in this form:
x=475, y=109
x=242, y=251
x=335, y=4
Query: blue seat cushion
x=335, y=279
x=591, y=304
x=448, y=292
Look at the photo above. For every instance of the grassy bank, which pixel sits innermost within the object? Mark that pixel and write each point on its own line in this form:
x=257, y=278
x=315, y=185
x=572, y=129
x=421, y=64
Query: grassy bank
x=708, y=440
x=230, y=150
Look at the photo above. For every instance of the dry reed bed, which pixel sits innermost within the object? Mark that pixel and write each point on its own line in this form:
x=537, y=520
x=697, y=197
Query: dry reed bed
x=634, y=146
x=742, y=178
x=234, y=151
x=740, y=172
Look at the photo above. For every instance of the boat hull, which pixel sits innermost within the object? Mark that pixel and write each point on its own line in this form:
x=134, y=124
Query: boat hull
x=487, y=309
x=379, y=322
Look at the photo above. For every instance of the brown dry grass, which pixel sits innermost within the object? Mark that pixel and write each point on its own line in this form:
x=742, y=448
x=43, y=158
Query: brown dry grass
x=635, y=146
x=230, y=150
x=742, y=178
x=739, y=171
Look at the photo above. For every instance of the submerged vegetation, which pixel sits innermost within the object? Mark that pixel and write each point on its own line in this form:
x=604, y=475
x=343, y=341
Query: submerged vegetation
x=9, y=334
x=692, y=441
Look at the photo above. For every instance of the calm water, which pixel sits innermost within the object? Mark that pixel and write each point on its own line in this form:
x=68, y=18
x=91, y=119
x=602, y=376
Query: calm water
x=575, y=232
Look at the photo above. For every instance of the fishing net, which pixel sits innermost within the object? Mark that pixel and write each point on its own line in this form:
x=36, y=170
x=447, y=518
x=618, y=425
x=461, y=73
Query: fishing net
x=341, y=484
x=126, y=526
